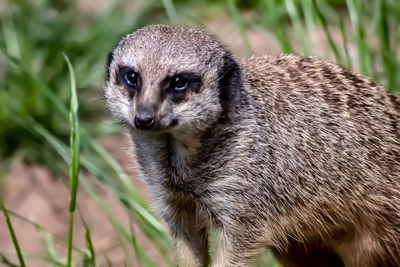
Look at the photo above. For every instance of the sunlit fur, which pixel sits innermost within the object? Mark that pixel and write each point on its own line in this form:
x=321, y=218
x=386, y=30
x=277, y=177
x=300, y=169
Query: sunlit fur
x=290, y=153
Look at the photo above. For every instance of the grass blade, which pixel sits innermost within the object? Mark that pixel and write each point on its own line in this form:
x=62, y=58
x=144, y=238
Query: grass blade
x=121, y=174
x=388, y=54
x=120, y=230
x=310, y=21
x=364, y=55
x=12, y=233
x=345, y=43
x=281, y=33
x=41, y=228
x=11, y=42
x=89, y=257
x=170, y=9
x=50, y=247
x=239, y=24
x=297, y=25
x=6, y=262
x=42, y=258
x=74, y=154
x=332, y=44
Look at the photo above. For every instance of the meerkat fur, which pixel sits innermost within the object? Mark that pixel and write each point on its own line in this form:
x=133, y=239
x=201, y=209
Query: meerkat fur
x=289, y=153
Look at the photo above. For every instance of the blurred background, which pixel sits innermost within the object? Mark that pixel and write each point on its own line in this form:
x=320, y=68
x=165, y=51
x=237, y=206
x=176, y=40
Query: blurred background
x=114, y=222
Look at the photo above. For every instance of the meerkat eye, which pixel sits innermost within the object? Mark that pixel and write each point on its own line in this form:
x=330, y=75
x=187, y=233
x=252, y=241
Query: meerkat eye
x=128, y=76
x=178, y=83
x=131, y=78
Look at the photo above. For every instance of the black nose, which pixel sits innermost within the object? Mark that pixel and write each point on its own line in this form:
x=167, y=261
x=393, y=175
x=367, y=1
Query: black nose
x=144, y=123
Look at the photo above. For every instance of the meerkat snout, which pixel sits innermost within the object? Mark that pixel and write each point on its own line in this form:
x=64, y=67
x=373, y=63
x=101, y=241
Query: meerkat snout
x=145, y=118
x=290, y=153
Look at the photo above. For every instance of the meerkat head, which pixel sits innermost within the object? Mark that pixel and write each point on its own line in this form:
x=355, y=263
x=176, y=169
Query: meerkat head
x=170, y=79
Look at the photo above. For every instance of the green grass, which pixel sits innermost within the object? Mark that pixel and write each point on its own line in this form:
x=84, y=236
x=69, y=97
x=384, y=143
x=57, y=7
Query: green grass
x=39, y=105
x=74, y=158
x=13, y=235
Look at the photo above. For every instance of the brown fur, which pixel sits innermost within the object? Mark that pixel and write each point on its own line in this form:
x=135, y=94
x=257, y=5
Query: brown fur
x=290, y=153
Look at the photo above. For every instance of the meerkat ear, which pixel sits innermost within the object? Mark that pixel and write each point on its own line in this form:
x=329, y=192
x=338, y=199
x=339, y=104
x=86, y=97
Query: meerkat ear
x=229, y=82
x=229, y=79
x=110, y=58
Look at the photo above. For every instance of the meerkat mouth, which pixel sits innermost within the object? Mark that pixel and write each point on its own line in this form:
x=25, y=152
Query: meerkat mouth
x=158, y=129
x=173, y=123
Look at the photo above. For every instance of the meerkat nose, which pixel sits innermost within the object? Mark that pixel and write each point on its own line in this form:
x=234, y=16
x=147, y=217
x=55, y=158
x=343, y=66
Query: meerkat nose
x=144, y=122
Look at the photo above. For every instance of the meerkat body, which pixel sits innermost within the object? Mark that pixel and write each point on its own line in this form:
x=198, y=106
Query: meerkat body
x=289, y=153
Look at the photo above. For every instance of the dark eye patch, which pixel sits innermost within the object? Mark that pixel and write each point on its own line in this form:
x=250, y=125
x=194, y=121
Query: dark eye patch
x=130, y=78
x=178, y=85
x=110, y=58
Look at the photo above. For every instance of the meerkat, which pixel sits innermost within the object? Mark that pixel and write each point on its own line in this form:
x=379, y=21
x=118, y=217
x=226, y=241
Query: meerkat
x=289, y=153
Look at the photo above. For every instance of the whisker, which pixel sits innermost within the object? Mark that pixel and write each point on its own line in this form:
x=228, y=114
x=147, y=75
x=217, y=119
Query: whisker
x=117, y=100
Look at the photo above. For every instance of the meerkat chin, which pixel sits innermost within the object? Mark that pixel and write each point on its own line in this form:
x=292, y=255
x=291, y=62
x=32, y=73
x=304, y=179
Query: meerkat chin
x=289, y=153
